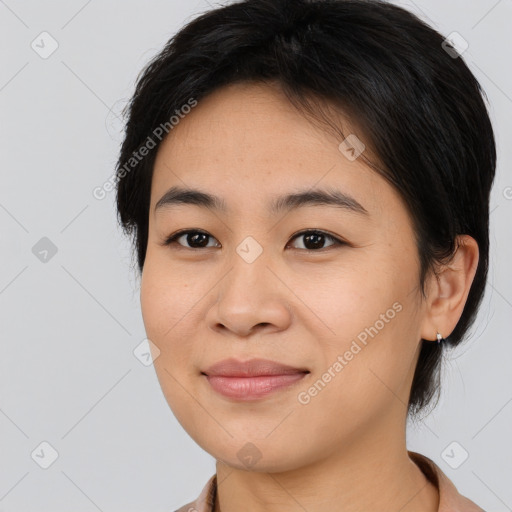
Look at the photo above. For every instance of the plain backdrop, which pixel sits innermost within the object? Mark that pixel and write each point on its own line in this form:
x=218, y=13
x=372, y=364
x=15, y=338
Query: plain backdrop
x=75, y=393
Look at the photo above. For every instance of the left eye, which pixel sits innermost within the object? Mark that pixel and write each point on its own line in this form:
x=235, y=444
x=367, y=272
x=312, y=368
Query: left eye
x=316, y=239
x=313, y=239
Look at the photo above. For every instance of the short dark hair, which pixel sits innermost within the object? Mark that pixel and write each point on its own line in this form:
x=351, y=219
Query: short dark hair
x=418, y=106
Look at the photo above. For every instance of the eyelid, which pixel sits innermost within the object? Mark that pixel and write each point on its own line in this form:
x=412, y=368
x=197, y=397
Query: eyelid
x=337, y=240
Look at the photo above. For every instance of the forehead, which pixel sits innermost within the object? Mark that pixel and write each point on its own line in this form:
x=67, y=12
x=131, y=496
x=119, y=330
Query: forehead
x=247, y=142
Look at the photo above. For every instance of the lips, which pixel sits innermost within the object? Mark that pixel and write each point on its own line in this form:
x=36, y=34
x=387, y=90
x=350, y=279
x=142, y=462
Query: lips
x=252, y=368
x=253, y=379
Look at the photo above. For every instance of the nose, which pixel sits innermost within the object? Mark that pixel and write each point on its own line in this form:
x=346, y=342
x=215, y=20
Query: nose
x=251, y=298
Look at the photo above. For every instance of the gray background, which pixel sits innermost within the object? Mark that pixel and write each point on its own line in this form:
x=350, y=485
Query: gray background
x=69, y=325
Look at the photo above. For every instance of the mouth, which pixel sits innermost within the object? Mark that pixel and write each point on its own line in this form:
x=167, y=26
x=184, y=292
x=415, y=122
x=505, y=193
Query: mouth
x=253, y=379
x=251, y=368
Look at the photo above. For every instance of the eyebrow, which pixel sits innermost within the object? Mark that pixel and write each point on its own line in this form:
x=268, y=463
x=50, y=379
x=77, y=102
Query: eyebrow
x=316, y=197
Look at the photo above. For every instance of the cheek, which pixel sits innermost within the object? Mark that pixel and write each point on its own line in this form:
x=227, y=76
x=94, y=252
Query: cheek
x=166, y=303
x=361, y=382
x=373, y=320
x=167, y=299
x=346, y=298
x=156, y=303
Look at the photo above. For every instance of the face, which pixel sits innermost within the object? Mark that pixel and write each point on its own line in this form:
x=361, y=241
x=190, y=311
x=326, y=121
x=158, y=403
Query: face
x=250, y=281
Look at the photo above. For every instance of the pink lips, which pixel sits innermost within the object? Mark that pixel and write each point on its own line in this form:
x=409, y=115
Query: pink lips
x=251, y=379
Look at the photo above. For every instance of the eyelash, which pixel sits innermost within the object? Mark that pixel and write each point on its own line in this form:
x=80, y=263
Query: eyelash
x=172, y=239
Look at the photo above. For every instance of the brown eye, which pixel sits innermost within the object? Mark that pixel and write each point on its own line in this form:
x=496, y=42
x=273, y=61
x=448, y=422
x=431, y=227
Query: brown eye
x=315, y=240
x=194, y=238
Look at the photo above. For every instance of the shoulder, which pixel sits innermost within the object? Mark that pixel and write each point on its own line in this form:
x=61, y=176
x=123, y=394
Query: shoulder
x=450, y=500
x=206, y=499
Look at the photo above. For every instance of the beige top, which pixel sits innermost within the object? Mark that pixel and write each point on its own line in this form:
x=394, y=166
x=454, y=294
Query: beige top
x=450, y=500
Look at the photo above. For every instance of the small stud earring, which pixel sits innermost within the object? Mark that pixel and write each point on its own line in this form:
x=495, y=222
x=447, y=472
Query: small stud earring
x=439, y=338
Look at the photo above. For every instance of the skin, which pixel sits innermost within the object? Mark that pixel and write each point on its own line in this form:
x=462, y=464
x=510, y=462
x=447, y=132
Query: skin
x=345, y=449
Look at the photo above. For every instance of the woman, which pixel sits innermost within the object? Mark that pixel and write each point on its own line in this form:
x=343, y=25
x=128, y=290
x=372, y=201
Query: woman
x=307, y=185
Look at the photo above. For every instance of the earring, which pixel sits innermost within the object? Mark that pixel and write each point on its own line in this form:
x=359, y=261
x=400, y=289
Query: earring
x=439, y=338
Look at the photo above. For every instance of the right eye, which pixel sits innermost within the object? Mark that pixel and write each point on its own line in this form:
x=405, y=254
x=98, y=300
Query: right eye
x=192, y=237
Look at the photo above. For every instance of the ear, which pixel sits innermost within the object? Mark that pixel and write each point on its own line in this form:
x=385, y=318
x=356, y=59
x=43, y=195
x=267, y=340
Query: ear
x=448, y=290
